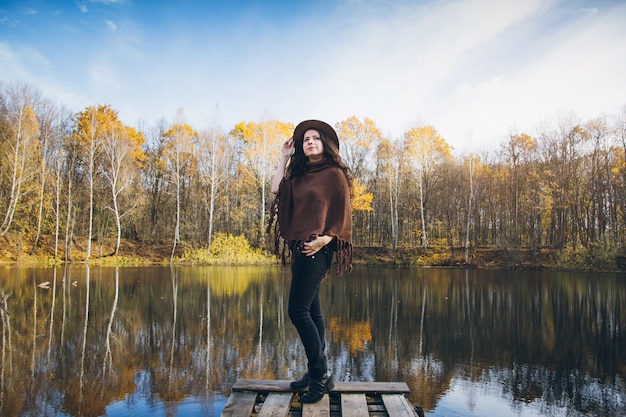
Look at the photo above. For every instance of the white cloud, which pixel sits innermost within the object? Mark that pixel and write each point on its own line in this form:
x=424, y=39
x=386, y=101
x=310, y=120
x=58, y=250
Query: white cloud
x=110, y=25
x=578, y=70
x=82, y=6
x=24, y=64
x=400, y=67
x=474, y=69
x=104, y=76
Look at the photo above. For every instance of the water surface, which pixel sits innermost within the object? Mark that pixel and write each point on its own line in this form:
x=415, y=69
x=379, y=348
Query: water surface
x=160, y=341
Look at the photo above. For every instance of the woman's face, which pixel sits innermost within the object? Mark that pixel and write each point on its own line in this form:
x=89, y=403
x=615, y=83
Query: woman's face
x=312, y=145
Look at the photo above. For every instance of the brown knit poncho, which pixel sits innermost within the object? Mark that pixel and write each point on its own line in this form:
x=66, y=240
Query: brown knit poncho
x=316, y=203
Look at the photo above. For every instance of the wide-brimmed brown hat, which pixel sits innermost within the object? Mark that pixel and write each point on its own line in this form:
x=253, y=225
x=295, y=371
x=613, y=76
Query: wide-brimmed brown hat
x=298, y=132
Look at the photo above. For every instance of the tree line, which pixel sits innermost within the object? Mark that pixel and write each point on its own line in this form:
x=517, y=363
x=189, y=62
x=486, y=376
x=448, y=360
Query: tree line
x=86, y=174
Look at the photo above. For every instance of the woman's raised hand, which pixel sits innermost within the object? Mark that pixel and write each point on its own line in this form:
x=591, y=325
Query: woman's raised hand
x=288, y=147
x=286, y=151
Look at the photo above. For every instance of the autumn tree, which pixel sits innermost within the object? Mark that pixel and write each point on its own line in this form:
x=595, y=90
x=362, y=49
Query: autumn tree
x=18, y=146
x=476, y=174
x=58, y=159
x=601, y=198
x=518, y=153
x=121, y=149
x=618, y=175
x=358, y=140
x=180, y=158
x=154, y=179
x=49, y=130
x=215, y=156
x=389, y=161
x=92, y=127
x=361, y=207
x=425, y=149
x=560, y=149
x=262, y=147
x=55, y=127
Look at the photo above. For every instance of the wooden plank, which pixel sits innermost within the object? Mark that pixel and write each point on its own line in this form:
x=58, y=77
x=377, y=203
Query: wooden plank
x=239, y=404
x=318, y=409
x=353, y=405
x=372, y=387
x=276, y=404
x=263, y=385
x=398, y=406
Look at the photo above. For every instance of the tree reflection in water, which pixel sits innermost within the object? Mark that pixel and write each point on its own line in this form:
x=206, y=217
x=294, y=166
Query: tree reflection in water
x=160, y=340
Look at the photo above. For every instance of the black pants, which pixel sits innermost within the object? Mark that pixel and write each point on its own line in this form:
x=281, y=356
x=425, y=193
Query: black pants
x=305, y=311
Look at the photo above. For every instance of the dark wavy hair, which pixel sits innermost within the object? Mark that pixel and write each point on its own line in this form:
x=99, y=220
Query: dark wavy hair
x=299, y=162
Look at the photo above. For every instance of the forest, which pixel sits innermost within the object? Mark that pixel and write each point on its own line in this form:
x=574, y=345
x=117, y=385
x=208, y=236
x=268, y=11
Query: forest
x=85, y=183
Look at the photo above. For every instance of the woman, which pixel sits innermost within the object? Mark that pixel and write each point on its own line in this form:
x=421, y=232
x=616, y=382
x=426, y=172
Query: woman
x=312, y=187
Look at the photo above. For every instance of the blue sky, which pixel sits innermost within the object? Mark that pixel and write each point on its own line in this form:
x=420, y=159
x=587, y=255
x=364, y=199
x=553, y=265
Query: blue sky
x=477, y=70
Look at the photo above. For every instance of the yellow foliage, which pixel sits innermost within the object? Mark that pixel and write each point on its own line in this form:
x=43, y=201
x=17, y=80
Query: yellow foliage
x=96, y=123
x=361, y=201
x=425, y=143
x=357, y=138
x=227, y=249
x=30, y=123
x=359, y=134
x=263, y=141
x=137, y=139
x=356, y=335
x=619, y=161
x=181, y=138
x=521, y=142
x=93, y=122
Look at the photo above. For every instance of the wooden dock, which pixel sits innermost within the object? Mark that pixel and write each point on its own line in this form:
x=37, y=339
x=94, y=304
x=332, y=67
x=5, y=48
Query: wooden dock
x=273, y=398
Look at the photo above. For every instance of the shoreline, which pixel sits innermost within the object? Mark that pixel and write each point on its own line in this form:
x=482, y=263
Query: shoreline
x=137, y=253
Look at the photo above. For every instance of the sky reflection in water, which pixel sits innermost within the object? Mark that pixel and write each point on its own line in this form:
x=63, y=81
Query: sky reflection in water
x=171, y=342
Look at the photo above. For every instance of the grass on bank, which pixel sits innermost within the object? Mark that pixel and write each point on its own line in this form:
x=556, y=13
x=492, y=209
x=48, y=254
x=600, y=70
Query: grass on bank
x=227, y=249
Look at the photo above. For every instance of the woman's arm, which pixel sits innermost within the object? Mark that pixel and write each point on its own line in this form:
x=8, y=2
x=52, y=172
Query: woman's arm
x=286, y=151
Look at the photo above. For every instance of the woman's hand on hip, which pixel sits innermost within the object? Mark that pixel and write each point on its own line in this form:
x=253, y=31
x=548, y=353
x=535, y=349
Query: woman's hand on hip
x=311, y=247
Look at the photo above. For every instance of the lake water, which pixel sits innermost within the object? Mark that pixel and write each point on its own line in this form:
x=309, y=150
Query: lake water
x=161, y=341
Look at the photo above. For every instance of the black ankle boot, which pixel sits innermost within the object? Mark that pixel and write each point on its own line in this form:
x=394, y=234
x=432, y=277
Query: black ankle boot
x=302, y=383
x=317, y=388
